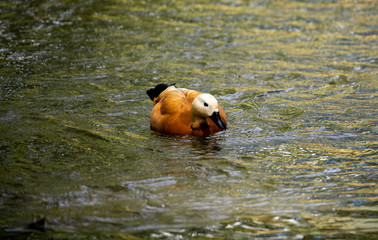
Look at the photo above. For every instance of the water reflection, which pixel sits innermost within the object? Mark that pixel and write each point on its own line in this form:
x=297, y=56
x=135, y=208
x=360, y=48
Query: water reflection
x=179, y=141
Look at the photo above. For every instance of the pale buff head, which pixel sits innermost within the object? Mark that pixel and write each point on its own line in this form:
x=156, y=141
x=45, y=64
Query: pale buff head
x=206, y=106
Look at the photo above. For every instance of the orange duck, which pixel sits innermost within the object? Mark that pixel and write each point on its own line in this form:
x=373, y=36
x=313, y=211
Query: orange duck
x=185, y=112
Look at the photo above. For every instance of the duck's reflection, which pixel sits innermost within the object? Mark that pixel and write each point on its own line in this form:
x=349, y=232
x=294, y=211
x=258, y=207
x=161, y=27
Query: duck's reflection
x=191, y=146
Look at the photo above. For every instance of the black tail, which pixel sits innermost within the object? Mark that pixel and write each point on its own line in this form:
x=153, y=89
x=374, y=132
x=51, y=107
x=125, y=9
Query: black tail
x=155, y=92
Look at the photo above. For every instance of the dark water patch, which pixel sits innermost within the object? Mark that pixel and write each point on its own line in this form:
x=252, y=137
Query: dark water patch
x=86, y=133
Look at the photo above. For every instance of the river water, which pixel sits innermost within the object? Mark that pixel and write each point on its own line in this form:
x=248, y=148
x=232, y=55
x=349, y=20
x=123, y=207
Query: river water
x=297, y=80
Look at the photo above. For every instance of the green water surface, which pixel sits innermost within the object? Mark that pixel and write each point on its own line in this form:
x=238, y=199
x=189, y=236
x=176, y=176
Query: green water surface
x=298, y=82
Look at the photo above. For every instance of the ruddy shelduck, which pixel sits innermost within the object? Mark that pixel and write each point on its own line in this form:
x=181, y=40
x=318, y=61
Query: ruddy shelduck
x=185, y=112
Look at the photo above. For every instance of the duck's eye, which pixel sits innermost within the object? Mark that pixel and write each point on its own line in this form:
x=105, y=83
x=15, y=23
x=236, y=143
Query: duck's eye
x=206, y=105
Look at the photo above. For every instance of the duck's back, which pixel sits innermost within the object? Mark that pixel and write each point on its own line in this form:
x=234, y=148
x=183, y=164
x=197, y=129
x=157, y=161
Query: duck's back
x=171, y=113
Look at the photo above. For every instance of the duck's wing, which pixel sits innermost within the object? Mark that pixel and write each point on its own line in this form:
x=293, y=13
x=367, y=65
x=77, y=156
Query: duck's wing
x=171, y=113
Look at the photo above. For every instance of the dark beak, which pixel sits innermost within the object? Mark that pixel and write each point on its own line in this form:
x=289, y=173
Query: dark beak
x=217, y=120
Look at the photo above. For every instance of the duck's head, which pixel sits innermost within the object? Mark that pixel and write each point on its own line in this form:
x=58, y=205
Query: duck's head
x=206, y=106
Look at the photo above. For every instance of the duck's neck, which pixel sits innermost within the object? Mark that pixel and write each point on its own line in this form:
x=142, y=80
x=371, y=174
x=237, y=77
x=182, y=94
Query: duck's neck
x=200, y=127
x=199, y=122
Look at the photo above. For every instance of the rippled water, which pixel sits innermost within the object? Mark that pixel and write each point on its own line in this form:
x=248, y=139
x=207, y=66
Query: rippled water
x=297, y=79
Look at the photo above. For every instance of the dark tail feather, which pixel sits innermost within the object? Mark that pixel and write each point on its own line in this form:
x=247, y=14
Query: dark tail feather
x=155, y=92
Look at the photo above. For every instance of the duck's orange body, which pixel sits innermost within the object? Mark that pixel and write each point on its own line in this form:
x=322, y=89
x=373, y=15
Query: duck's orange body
x=173, y=114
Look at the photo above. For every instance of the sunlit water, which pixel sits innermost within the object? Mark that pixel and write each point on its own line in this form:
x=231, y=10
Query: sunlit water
x=297, y=79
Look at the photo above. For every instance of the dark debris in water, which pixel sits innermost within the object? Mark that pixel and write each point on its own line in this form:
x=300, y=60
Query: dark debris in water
x=37, y=226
